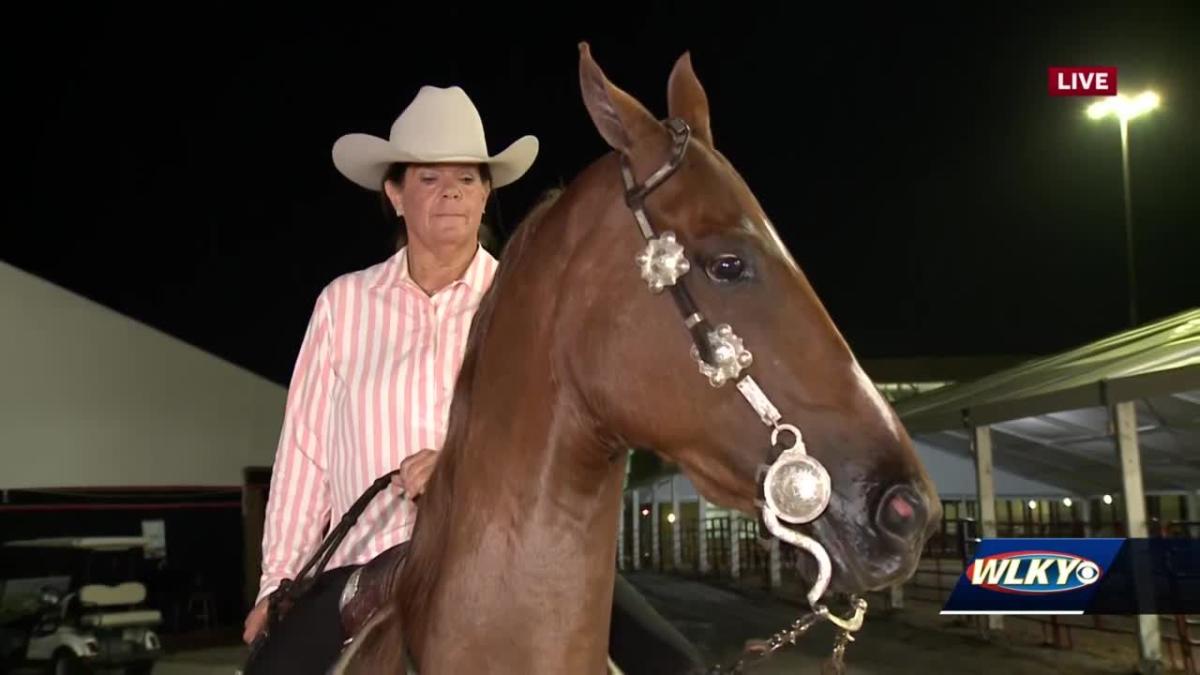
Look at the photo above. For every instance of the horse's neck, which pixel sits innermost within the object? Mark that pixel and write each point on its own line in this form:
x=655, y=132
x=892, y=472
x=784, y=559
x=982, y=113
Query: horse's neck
x=527, y=570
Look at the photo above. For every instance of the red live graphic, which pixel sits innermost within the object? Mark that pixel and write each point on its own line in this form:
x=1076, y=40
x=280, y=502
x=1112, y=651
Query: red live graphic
x=1083, y=81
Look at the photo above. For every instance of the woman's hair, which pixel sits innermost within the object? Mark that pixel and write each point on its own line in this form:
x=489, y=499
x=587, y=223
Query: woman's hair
x=395, y=173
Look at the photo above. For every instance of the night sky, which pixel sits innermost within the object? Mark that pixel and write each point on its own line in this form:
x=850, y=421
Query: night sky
x=175, y=165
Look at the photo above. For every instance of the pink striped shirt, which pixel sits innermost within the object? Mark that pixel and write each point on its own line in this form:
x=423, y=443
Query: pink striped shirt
x=372, y=385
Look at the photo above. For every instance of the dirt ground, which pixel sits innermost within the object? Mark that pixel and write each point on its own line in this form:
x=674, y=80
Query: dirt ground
x=915, y=640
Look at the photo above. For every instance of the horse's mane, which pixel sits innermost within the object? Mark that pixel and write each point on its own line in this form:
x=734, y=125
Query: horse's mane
x=428, y=540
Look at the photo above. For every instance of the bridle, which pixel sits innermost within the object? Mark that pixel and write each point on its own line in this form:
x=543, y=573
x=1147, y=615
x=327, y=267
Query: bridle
x=796, y=487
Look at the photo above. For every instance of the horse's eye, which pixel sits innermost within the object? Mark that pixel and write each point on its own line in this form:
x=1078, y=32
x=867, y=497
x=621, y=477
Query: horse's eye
x=726, y=267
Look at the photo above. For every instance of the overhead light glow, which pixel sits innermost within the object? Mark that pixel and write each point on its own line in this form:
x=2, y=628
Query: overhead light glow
x=1124, y=107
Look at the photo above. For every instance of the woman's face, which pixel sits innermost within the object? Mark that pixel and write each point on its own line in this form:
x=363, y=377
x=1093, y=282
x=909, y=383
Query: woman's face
x=442, y=204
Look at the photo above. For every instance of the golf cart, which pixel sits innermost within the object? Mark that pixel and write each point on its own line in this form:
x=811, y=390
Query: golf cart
x=75, y=605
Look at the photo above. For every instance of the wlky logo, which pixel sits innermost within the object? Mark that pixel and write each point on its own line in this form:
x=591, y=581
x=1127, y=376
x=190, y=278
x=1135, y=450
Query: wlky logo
x=1033, y=572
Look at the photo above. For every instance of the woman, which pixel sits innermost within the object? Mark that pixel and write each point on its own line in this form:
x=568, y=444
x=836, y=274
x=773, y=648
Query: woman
x=375, y=375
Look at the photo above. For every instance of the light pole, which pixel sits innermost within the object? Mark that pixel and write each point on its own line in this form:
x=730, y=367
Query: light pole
x=1125, y=109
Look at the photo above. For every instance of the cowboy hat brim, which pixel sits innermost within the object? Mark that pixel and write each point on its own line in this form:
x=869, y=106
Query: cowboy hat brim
x=364, y=159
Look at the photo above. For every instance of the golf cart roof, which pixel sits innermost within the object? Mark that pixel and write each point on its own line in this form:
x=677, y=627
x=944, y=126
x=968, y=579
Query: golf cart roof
x=88, y=543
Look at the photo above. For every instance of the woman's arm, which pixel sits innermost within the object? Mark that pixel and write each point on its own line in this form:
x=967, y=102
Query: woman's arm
x=298, y=504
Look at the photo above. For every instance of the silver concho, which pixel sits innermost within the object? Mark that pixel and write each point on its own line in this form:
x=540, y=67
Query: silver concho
x=730, y=356
x=797, y=487
x=662, y=262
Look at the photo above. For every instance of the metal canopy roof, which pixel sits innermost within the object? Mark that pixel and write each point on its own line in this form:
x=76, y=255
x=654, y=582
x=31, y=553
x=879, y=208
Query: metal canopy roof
x=1050, y=420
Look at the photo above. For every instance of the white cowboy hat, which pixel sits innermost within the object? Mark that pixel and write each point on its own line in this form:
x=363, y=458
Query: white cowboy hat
x=441, y=125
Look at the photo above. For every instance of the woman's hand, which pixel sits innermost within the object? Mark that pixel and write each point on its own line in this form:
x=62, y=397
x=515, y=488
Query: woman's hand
x=414, y=472
x=256, y=620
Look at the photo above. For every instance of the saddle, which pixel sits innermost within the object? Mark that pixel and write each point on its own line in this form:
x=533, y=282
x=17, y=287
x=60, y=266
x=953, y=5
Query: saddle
x=369, y=587
x=366, y=590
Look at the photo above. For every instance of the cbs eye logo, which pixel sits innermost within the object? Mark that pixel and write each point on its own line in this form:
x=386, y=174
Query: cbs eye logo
x=1087, y=573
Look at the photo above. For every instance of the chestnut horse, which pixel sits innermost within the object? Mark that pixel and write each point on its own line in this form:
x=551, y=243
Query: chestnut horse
x=572, y=360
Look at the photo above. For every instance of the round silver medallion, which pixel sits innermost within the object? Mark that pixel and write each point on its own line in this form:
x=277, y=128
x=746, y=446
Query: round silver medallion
x=797, y=488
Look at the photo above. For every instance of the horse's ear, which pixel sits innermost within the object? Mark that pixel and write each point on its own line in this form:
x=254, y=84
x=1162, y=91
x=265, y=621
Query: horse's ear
x=686, y=98
x=619, y=117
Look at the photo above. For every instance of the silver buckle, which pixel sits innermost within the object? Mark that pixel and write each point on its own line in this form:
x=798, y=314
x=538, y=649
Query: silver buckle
x=350, y=589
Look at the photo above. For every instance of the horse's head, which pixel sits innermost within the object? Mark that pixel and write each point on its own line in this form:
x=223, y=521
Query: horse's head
x=641, y=379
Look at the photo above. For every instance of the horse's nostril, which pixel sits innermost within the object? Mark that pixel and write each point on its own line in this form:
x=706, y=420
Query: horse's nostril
x=902, y=512
x=902, y=509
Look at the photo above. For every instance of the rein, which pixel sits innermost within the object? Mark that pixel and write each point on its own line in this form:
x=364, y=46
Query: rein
x=284, y=597
x=796, y=487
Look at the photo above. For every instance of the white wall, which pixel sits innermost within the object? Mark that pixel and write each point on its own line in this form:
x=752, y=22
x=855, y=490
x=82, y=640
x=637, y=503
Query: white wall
x=89, y=397
x=954, y=476
x=684, y=490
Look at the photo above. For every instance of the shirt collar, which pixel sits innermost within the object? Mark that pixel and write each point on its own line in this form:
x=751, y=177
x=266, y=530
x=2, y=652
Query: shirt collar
x=477, y=277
